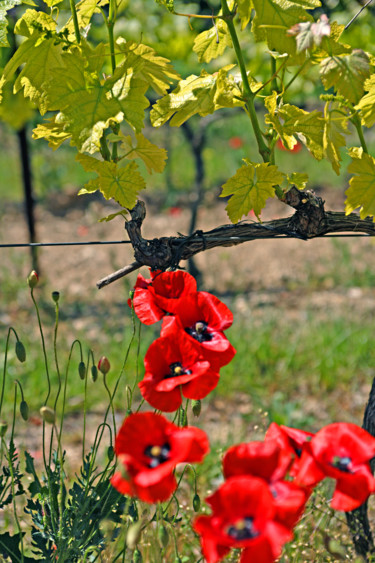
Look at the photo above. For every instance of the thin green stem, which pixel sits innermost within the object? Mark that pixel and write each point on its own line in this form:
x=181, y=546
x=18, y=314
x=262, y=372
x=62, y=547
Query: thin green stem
x=66, y=381
x=110, y=401
x=357, y=124
x=301, y=68
x=249, y=96
x=43, y=345
x=75, y=21
x=4, y=370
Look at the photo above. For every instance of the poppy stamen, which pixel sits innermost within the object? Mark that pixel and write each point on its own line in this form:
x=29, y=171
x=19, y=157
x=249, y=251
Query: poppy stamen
x=157, y=454
x=243, y=529
x=342, y=463
x=199, y=331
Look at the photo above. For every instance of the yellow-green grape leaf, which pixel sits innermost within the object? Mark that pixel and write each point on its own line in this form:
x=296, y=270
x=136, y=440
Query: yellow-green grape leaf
x=346, y=74
x=273, y=18
x=244, y=9
x=308, y=126
x=212, y=43
x=51, y=130
x=335, y=127
x=366, y=105
x=250, y=188
x=38, y=57
x=227, y=92
x=85, y=10
x=361, y=191
x=89, y=104
x=112, y=216
x=115, y=182
x=5, y=5
x=32, y=20
x=147, y=65
x=15, y=109
x=169, y=4
x=153, y=156
x=195, y=95
x=330, y=45
x=298, y=179
x=273, y=118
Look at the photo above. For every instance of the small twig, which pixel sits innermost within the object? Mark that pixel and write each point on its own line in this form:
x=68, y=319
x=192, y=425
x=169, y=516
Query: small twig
x=357, y=14
x=119, y=274
x=216, y=30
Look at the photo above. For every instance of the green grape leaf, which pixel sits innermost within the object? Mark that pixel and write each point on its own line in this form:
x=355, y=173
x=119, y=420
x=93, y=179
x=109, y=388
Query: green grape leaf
x=250, y=188
x=309, y=34
x=153, y=156
x=273, y=19
x=244, y=9
x=361, y=191
x=38, y=57
x=5, y=5
x=120, y=183
x=212, y=43
x=195, y=95
x=335, y=127
x=346, y=74
x=15, y=109
x=53, y=131
x=297, y=179
x=89, y=104
x=85, y=10
x=112, y=216
x=330, y=45
x=147, y=65
x=33, y=20
x=366, y=105
x=169, y=4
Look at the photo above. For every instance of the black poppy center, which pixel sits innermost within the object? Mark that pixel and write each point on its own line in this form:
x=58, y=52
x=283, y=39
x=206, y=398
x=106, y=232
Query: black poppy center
x=157, y=454
x=298, y=451
x=199, y=331
x=177, y=369
x=342, y=463
x=243, y=529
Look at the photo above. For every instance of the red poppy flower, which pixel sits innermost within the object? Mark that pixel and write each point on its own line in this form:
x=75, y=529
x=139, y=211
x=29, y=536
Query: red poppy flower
x=341, y=451
x=204, y=318
x=161, y=294
x=291, y=441
x=280, y=145
x=174, y=368
x=148, y=448
x=269, y=462
x=243, y=517
x=235, y=142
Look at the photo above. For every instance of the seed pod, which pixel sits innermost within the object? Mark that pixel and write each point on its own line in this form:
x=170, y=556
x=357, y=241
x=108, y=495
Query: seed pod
x=32, y=279
x=163, y=536
x=196, y=407
x=20, y=351
x=48, y=415
x=24, y=410
x=82, y=370
x=103, y=365
x=3, y=428
x=196, y=502
x=137, y=556
x=56, y=296
x=94, y=373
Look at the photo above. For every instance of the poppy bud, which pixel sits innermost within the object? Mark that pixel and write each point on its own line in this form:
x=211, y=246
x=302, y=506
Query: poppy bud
x=137, y=556
x=82, y=370
x=103, y=365
x=94, y=373
x=163, y=536
x=32, y=279
x=55, y=296
x=110, y=453
x=129, y=412
x=196, y=407
x=134, y=534
x=20, y=351
x=24, y=410
x=48, y=414
x=196, y=502
x=3, y=428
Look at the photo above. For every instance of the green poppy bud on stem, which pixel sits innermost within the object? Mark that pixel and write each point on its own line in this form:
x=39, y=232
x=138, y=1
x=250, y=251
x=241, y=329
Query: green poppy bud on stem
x=134, y=534
x=163, y=536
x=20, y=351
x=103, y=365
x=55, y=296
x=110, y=453
x=196, y=407
x=94, y=373
x=196, y=502
x=48, y=414
x=82, y=370
x=32, y=279
x=24, y=410
x=3, y=428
